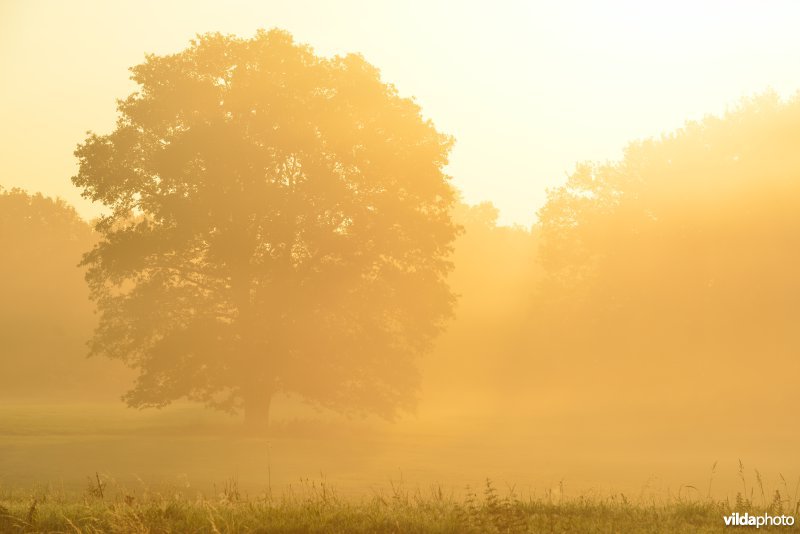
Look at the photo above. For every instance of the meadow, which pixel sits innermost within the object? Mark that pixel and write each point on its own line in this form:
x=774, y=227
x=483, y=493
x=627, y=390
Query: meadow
x=317, y=508
x=104, y=468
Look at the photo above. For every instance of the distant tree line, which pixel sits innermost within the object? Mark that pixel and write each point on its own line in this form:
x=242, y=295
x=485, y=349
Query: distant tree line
x=280, y=223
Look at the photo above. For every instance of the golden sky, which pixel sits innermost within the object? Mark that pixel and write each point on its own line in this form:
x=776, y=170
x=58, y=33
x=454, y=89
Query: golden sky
x=527, y=88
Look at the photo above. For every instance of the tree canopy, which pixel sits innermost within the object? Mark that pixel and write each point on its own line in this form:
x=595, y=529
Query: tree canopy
x=683, y=255
x=277, y=222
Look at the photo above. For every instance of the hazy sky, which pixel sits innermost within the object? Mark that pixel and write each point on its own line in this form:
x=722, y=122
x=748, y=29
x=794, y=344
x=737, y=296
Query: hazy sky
x=527, y=88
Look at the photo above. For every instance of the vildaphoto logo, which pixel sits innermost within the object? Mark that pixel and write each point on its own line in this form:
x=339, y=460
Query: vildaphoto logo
x=747, y=520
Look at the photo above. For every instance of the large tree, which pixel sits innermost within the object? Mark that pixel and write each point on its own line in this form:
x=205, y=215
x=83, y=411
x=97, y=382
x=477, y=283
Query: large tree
x=277, y=222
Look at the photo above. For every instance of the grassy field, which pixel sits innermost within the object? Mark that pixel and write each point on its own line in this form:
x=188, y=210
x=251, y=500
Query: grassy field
x=104, y=468
x=599, y=454
x=315, y=507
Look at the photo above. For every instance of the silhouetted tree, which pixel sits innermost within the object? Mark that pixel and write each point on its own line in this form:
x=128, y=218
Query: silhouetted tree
x=279, y=222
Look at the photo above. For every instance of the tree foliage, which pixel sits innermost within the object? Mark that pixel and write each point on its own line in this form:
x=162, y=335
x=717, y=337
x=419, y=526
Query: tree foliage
x=278, y=222
x=683, y=255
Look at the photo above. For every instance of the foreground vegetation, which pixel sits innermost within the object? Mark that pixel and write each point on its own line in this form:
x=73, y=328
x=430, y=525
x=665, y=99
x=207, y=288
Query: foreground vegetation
x=315, y=507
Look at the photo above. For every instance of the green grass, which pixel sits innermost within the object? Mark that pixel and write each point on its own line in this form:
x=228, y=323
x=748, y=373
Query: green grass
x=315, y=507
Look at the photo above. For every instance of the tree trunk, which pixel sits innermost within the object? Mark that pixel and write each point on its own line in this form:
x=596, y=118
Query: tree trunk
x=256, y=409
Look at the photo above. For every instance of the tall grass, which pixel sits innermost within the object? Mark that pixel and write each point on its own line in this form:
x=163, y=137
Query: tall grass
x=314, y=506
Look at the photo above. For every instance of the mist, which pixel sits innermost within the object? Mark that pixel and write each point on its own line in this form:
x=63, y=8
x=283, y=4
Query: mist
x=286, y=287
